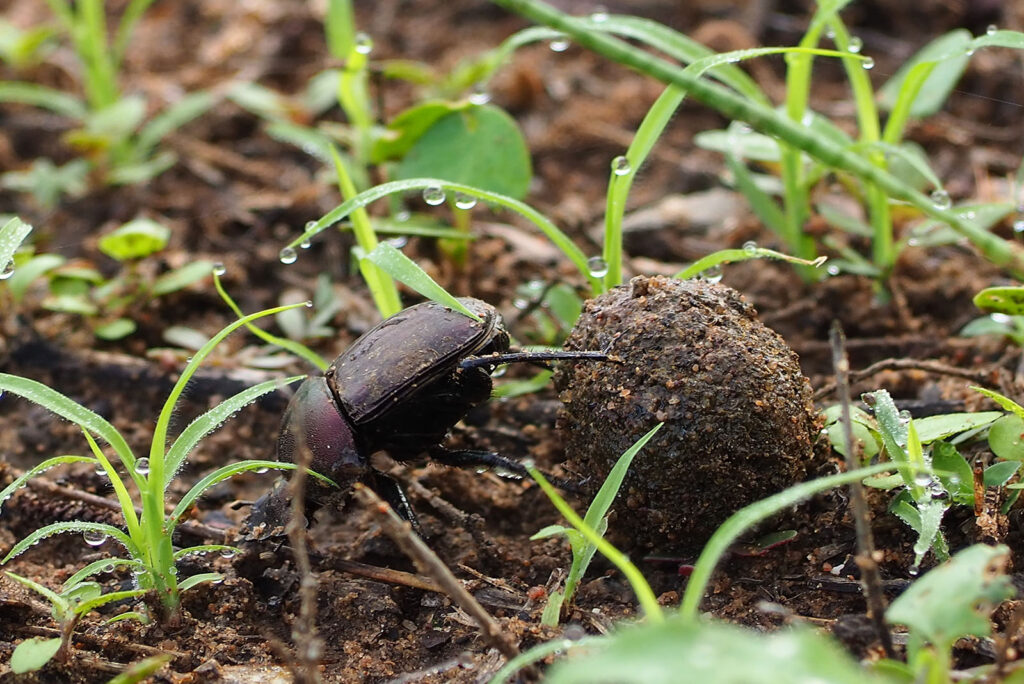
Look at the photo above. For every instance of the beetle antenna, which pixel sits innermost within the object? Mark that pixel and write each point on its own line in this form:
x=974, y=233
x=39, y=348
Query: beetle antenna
x=530, y=357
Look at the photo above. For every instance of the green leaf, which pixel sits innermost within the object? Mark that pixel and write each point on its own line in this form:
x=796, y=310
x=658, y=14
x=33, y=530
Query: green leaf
x=37, y=470
x=960, y=486
x=171, y=119
x=408, y=127
x=1004, y=300
x=140, y=671
x=932, y=428
x=1007, y=39
x=747, y=145
x=1006, y=437
x=400, y=267
x=112, y=124
x=181, y=278
x=479, y=145
x=54, y=100
x=192, y=581
x=954, y=599
x=12, y=234
x=32, y=654
x=116, y=329
x=1005, y=402
x=998, y=474
x=136, y=239
x=26, y=273
x=946, y=57
x=70, y=528
x=58, y=602
x=678, y=650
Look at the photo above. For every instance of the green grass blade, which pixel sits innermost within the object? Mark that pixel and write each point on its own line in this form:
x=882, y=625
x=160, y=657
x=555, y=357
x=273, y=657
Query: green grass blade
x=70, y=528
x=130, y=17
x=38, y=393
x=123, y=497
x=213, y=419
x=12, y=235
x=393, y=262
x=747, y=517
x=92, y=604
x=37, y=470
x=224, y=473
x=550, y=230
x=53, y=597
x=101, y=565
x=171, y=119
x=726, y=256
x=192, y=581
x=204, y=549
x=53, y=100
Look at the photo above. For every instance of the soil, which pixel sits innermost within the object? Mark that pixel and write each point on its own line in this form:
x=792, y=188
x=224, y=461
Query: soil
x=236, y=195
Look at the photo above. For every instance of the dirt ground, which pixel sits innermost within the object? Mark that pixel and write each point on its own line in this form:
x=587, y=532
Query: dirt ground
x=237, y=195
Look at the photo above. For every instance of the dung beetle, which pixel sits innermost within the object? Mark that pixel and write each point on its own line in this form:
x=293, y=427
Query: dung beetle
x=399, y=388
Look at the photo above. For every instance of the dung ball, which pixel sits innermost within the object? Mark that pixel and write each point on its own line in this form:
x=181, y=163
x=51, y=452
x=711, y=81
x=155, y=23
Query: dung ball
x=739, y=423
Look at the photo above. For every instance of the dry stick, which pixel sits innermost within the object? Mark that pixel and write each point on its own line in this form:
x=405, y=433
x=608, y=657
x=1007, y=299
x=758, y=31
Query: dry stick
x=387, y=575
x=866, y=558
x=308, y=646
x=429, y=564
x=978, y=377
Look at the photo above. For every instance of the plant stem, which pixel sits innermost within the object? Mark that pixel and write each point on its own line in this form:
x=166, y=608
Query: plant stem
x=1000, y=252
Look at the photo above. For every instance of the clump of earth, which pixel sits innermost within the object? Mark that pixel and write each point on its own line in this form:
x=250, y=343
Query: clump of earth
x=739, y=423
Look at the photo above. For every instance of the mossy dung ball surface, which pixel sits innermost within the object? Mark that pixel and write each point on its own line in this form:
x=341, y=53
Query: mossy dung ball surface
x=739, y=422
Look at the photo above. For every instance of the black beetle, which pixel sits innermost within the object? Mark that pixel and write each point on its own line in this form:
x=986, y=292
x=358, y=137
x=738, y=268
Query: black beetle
x=399, y=388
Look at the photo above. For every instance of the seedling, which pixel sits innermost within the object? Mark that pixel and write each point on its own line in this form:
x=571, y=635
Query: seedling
x=583, y=549
x=110, y=305
x=147, y=537
x=70, y=605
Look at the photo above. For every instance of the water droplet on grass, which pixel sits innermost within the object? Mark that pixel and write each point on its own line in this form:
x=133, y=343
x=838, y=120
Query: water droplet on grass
x=991, y=30
x=832, y=270
x=398, y=242
x=306, y=244
x=433, y=195
x=363, y=44
x=479, y=95
x=855, y=45
x=219, y=269
x=94, y=537
x=288, y=255
x=142, y=466
x=227, y=553
x=464, y=201
x=1018, y=226
x=750, y=247
x=7, y=270
x=941, y=199
x=868, y=63
x=621, y=166
x=599, y=15
x=559, y=44
x=597, y=266
x=262, y=470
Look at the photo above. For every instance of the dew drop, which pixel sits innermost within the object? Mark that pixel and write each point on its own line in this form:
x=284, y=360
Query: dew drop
x=941, y=200
x=260, y=471
x=597, y=266
x=954, y=480
x=287, y=255
x=922, y=479
x=94, y=537
x=398, y=242
x=479, y=95
x=138, y=571
x=913, y=570
x=109, y=567
x=310, y=225
x=1000, y=318
x=913, y=242
x=173, y=571
x=621, y=166
x=750, y=247
x=500, y=371
x=712, y=274
x=306, y=244
x=574, y=632
x=464, y=201
x=219, y=269
x=142, y=466
x=520, y=303
x=970, y=52
x=832, y=270
x=528, y=463
x=433, y=195
x=7, y=271
x=599, y=15
x=1018, y=226
x=559, y=44
x=868, y=63
x=364, y=43
x=403, y=216
x=227, y=553
x=991, y=30
x=856, y=45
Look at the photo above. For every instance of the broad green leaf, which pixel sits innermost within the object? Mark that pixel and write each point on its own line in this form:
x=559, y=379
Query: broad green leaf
x=32, y=654
x=1004, y=300
x=408, y=127
x=987, y=325
x=116, y=329
x=960, y=484
x=868, y=444
x=998, y=474
x=135, y=239
x=111, y=124
x=679, y=650
x=181, y=278
x=932, y=428
x=70, y=303
x=479, y=145
x=946, y=57
x=954, y=600
x=1005, y=402
x=1006, y=437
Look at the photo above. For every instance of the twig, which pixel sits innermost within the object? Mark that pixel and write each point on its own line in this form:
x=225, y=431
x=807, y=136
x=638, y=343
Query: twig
x=429, y=564
x=308, y=646
x=388, y=575
x=866, y=558
x=982, y=378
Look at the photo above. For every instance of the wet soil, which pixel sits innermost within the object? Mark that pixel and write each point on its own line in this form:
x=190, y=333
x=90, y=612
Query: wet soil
x=237, y=195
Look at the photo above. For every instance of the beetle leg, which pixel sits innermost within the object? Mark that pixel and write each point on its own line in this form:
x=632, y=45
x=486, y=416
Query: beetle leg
x=391, y=491
x=505, y=467
x=530, y=357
